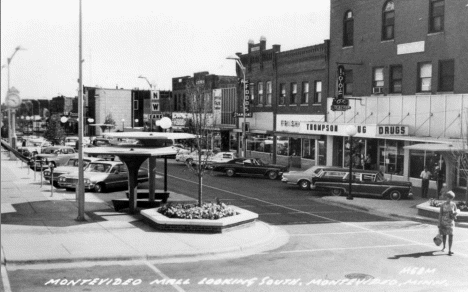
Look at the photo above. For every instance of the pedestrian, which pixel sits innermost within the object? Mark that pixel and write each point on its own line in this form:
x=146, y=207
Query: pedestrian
x=367, y=161
x=439, y=175
x=447, y=215
x=425, y=175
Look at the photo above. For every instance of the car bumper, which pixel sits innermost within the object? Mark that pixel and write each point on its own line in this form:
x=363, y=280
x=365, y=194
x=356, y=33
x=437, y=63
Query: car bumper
x=71, y=185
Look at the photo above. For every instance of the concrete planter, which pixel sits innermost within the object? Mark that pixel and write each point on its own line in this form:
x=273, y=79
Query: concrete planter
x=244, y=218
x=426, y=210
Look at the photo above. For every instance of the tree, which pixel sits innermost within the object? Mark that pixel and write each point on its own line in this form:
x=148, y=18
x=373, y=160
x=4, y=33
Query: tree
x=109, y=122
x=54, y=131
x=199, y=107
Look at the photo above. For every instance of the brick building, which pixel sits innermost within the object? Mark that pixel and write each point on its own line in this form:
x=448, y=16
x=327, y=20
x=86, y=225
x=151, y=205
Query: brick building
x=222, y=100
x=406, y=64
x=287, y=88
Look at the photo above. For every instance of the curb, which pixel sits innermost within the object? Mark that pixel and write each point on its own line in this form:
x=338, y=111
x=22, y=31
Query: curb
x=275, y=238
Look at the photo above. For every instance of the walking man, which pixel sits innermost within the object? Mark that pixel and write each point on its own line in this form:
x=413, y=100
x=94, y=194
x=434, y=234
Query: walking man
x=425, y=175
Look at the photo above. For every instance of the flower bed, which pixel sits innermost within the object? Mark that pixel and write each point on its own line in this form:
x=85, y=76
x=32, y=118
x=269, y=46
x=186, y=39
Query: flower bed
x=211, y=211
x=460, y=205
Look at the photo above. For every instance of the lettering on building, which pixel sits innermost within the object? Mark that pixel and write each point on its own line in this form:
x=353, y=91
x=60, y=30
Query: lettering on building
x=392, y=130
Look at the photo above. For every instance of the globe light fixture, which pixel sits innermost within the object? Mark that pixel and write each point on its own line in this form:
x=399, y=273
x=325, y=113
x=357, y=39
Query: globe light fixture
x=165, y=123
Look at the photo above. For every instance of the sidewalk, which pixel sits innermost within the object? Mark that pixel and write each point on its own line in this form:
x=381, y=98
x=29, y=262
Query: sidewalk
x=37, y=228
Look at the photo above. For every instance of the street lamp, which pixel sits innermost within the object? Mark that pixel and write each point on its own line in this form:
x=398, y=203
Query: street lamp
x=11, y=113
x=238, y=61
x=136, y=123
x=143, y=77
x=123, y=124
x=165, y=123
x=351, y=131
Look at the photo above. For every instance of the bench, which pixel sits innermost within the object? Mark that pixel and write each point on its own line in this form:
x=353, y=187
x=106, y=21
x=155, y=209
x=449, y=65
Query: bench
x=144, y=194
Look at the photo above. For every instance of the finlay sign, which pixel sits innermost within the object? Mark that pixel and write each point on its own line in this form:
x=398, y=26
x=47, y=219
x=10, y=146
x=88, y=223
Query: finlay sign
x=365, y=131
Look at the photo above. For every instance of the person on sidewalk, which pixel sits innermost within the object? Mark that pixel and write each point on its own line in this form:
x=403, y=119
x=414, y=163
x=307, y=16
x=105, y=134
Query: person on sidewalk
x=425, y=175
x=447, y=215
x=439, y=175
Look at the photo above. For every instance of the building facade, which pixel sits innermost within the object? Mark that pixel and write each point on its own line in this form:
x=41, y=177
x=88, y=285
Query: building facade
x=286, y=89
x=405, y=65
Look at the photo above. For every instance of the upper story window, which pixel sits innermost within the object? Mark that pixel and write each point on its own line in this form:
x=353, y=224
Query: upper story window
x=293, y=97
x=318, y=92
x=388, y=21
x=348, y=29
x=436, y=15
x=424, y=77
x=348, y=89
x=396, y=78
x=282, y=94
x=305, y=93
x=378, y=81
x=260, y=92
x=446, y=75
x=268, y=93
x=252, y=93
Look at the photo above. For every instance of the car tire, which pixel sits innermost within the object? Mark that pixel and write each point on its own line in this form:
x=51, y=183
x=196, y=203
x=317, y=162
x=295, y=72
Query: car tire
x=189, y=161
x=99, y=188
x=336, y=192
x=394, y=195
x=230, y=172
x=304, y=185
x=272, y=175
x=55, y=184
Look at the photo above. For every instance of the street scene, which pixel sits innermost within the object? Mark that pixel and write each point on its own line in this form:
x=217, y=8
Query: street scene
x=197, y=147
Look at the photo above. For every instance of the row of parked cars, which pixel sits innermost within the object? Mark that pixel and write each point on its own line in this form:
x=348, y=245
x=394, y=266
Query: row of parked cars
x=333, y=180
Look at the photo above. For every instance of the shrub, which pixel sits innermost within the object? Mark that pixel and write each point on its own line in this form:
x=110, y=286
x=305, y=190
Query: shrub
x=460, y=205
x=210, y=211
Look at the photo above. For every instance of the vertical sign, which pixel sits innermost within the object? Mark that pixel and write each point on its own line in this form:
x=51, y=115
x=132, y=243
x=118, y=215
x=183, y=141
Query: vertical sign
x=217, y=94
x=155, y=102
x=341, y=82
x=247, y=99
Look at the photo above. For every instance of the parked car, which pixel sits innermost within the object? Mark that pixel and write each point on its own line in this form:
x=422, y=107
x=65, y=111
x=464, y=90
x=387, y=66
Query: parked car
x=102, y=142
x=191, y=156
x=53, y=155
x=70, y=166
x=70, y=141
x=221, y=157
x=100, y=176
x=364, y=183
x=250, y=166
x=301, y=178
x=33, y=146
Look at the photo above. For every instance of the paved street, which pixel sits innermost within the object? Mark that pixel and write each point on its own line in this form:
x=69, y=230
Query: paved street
x=327, y=248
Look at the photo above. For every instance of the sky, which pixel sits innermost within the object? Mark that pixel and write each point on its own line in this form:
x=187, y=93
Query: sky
x=124, y=39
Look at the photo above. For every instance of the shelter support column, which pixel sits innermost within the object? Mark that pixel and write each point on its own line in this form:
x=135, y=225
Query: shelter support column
x=133, y=165
x=152, y=178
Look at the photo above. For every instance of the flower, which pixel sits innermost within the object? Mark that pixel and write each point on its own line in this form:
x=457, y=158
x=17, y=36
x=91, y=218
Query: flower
x=210, y=211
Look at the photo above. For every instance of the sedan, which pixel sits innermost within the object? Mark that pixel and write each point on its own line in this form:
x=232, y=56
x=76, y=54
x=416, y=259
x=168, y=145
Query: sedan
x=250, y=166
x=52, y=156
x=301, y=178
x=70, y=166
x=100, y=176
x=363, y=183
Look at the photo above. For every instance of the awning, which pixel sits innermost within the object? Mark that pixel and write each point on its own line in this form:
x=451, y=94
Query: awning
x=449, y=147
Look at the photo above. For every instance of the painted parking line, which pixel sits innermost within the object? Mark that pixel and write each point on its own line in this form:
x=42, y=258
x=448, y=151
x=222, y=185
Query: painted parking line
x=162, y=275
x=358, y=226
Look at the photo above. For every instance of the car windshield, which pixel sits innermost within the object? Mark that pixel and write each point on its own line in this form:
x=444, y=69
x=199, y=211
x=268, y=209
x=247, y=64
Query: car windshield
x=50, y=151
x=98, y=167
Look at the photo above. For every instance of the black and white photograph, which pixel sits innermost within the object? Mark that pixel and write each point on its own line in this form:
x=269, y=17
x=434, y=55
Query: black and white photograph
x=234, y=146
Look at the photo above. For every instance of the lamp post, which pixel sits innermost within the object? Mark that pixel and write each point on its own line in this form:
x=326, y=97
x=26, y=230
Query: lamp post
x=238, y=61
x=123, y=125
x=143, y=77
x=11, y=113
x=351, y=131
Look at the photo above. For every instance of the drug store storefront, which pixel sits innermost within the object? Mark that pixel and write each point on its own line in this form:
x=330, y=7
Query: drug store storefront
x=375, y=147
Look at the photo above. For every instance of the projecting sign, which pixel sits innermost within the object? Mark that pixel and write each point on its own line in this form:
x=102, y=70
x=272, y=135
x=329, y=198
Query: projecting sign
x=246, y=104
x=155, y=106
x=339, y=102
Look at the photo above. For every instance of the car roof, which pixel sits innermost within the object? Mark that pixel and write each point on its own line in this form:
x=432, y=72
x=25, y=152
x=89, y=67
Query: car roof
x=58, y=147
x=345, y=169
x=108, y=162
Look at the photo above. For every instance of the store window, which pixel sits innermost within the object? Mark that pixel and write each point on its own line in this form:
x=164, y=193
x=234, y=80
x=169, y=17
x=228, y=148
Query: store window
x=260, y=93
x=282, y=95
x=294, y=146
x=436, y=15
x=308, y=148
x=348, y=29
x=233, y=141
x=318, y=92
x=388, y=21
x=424, y=77
x=282, y=146
x=268, y=93
x=391, y=156
x=396, y=78
x=420, y=159
x=305, y=93
x=446, y=75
